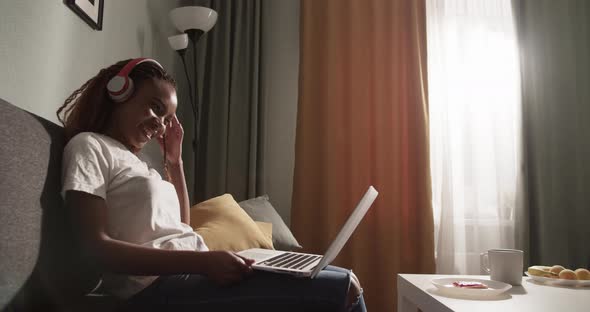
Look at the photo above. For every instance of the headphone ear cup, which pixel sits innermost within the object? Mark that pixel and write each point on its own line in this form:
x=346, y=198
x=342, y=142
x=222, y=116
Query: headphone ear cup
x=120, y=87
x=123, y=94
x=127, y=92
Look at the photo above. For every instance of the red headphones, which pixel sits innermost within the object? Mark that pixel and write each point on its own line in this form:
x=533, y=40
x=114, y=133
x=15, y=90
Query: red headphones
x=120, y=87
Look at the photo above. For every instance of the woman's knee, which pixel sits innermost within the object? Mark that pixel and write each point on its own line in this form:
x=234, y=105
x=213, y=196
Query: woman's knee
x=354, y=290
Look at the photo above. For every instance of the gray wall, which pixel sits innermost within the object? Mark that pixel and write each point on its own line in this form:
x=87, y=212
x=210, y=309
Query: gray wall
x=280, y=74
x=47, y=51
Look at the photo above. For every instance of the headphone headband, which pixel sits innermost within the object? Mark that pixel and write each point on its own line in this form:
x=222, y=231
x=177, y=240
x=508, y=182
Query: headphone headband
x=134, y=62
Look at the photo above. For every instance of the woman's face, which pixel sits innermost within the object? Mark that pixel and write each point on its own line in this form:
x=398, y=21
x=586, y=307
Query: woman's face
x=145, y=115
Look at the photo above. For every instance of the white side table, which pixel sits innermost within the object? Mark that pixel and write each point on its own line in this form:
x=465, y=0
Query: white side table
x=415, y=291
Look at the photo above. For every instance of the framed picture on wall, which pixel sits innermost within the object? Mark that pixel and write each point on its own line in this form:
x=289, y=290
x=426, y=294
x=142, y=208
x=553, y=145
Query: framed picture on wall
x=89, y=10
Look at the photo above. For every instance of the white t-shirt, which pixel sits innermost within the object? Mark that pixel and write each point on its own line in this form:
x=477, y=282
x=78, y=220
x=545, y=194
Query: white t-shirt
x=142, y=208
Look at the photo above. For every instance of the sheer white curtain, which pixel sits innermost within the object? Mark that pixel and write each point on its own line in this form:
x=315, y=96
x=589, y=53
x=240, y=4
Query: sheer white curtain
x=475, y=136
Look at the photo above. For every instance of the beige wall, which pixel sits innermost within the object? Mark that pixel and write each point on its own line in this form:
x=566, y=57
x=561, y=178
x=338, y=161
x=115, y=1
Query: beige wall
x=47, y=51
x=280, y=74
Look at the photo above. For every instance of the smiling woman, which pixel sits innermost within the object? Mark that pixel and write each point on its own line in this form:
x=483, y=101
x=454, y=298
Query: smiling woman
x=147, y=113
x=145, y=116
x=135, y=225
x=107, y=122
x=91, y=109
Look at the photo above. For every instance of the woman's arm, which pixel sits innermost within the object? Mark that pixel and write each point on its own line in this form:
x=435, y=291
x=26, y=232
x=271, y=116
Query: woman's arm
x=176, y=171
x=174, y=135
x=89, y=215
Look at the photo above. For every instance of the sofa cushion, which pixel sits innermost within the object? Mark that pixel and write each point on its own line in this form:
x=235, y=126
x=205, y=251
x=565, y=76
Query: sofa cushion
x=36, y=245
x=260, y=209
x=225, y=226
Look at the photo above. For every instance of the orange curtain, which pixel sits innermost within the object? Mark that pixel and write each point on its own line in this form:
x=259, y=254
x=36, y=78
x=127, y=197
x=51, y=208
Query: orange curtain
x=363, y=120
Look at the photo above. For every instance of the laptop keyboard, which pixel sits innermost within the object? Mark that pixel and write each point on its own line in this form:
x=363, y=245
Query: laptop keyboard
x=289, y=260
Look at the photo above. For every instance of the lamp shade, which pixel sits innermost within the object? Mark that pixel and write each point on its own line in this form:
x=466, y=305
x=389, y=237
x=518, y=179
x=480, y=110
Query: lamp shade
x=193, y=17
x=178, y=42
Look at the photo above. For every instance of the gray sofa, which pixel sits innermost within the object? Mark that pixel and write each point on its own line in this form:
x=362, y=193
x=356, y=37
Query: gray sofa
x=40, y=266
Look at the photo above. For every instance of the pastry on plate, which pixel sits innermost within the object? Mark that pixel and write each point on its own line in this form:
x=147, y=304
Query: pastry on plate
x=541, y=270
x=568, y=274
x=556, y=269
x=582, y=274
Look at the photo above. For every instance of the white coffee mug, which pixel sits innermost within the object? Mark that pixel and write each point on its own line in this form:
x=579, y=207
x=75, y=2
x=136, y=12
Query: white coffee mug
x=503, y=265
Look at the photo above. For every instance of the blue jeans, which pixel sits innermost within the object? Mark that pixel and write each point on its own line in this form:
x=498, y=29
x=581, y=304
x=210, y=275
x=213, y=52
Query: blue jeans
x=260, y=291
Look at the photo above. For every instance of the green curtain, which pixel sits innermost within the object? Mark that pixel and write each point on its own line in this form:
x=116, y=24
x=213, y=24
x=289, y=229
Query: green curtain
x=232, y=112
x=555, y=50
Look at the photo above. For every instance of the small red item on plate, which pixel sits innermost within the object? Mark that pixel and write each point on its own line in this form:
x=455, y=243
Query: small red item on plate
x=474, y=285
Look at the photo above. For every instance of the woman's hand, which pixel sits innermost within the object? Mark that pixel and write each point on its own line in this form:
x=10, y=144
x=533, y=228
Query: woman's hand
x=174, y=134
x=226, y=267
x=354, y=291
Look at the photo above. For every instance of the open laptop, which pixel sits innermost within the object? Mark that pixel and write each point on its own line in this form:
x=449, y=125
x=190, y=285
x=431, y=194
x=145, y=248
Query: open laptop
x=309, y=265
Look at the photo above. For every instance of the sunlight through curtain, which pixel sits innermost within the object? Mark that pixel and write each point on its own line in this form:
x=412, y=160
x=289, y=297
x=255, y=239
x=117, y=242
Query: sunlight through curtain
x=475, y=131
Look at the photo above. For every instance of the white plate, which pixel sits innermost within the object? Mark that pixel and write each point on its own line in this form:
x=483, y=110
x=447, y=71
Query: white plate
x=494, y=288
x=559, y=281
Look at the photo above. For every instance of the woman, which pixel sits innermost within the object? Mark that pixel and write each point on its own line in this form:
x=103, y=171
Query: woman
x=134, y=224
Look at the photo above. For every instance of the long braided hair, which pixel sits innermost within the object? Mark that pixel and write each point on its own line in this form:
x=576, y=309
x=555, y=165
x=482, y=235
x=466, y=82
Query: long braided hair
x=89, y=108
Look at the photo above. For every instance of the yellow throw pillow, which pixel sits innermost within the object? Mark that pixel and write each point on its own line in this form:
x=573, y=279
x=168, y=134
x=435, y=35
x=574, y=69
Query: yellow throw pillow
x=266, y=229
x=224, y=225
